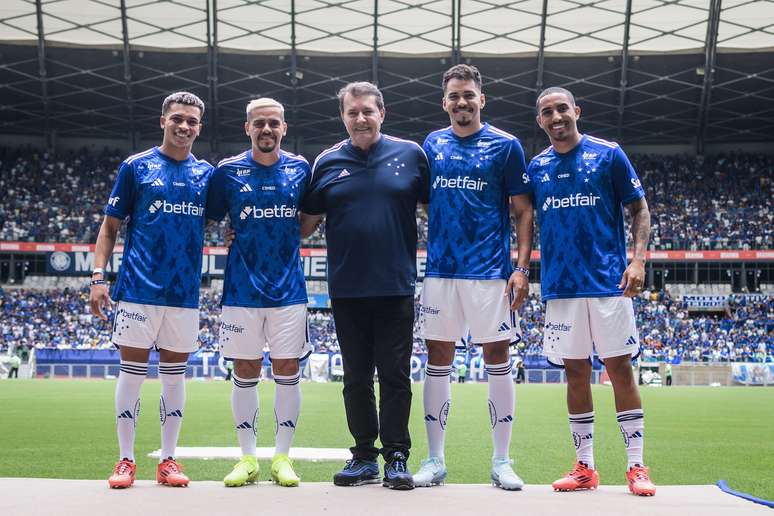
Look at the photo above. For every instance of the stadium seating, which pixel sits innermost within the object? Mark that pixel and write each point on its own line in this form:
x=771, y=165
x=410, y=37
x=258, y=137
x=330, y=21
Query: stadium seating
x=721, y=202
x=59, y=318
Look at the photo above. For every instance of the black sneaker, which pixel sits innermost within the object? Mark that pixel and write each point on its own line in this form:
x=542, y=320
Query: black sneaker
x=357, y=472
x=396, y=473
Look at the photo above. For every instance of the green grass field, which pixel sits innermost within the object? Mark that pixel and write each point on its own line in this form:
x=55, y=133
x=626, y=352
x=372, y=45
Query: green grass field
x=65, y=429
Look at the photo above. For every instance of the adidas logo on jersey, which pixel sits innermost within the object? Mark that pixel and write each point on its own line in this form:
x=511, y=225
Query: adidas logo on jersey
x=157, y=182
x=631, y=341
x=462, y=183
x=439, y=156
x=245, y=188
x=180, y=208
x=571, y=201
x=546, y=178
x=274, y=212
x=504, y=327
x=343, y=173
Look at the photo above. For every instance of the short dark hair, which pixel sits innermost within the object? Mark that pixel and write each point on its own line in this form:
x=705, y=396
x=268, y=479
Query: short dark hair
x=551, y=91
x=463, y=72
x=358, y=89
x=182, y=97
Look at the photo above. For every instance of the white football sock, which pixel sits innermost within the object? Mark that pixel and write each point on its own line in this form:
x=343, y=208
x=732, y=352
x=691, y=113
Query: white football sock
x=244, y=407
x=582, y=430
x=632, y=425
x=171, y=404
x=287, y=405
x=502, y=398
x=436, y=398
x=128, y=405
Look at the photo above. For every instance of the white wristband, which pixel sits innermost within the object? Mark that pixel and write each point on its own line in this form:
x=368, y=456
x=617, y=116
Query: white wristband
x=98, y=270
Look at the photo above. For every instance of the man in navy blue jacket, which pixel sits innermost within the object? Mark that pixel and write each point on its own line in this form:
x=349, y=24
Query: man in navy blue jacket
x=368, y=187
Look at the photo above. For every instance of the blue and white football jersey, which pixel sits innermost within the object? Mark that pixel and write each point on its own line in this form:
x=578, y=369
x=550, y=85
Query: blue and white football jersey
x=264, y=267
x=164, y=200
x=579, y=199
x=471, y=180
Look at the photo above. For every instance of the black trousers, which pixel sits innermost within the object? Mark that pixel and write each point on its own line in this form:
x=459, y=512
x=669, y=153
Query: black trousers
x=376, y=333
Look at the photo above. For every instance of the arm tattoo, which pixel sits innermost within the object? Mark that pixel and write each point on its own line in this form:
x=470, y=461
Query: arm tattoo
x=640, y=227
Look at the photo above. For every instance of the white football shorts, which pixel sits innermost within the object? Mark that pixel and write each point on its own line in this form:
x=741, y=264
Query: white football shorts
x=451, y=307
x=575, y=328
x=245, y=332
x=163, y=327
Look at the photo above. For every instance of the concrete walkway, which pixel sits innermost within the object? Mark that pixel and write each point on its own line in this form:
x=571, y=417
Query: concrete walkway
x=26, y=496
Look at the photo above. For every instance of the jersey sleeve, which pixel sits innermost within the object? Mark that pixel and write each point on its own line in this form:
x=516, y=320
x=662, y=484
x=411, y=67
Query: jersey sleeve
x=314, y=200
x=304, y=184
x=516, y=178
x=527, y=177
x=626, y=184
x=424, y=176
x=121, y=199
x=216, y=195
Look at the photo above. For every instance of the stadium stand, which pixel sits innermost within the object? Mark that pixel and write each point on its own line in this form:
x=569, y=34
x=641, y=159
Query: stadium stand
x=720, y=202
x=743, y=331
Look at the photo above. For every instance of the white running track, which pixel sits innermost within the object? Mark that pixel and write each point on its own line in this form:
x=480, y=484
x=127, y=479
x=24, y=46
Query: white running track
x=29, y=497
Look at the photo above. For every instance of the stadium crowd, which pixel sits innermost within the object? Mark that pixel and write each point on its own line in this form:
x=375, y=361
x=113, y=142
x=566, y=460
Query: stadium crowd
x=668, y=331
x=721, y=202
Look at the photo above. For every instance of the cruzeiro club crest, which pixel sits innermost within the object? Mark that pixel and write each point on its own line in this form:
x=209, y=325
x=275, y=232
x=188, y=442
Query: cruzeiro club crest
x=60, y=261
x=492, y=414
x=576, y=439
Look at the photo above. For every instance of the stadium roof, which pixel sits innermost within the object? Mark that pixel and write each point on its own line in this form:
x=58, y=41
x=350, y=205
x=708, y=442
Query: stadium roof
x=99, y=68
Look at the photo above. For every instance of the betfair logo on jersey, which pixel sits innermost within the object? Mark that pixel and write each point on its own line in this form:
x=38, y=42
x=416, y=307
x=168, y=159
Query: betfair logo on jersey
x=463, y=183
x=235, y=328
x=113, y=201
x=178, y=208
x=572, y=201
x=273, y=212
